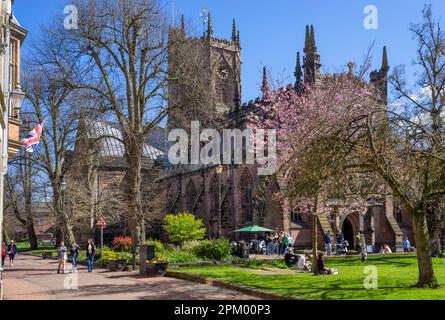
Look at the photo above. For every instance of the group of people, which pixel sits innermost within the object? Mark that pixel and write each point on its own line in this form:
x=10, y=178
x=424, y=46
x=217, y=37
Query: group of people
x=278, y=243
x=303, y=262
x=9, y=251
x=62, y=255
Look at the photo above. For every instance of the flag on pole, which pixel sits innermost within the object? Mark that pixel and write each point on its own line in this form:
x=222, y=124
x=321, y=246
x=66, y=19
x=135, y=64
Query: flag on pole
x=33, y=137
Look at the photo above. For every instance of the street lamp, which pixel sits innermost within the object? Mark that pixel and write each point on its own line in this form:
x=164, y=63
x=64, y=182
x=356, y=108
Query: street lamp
x=63, y=186
x=17, y=98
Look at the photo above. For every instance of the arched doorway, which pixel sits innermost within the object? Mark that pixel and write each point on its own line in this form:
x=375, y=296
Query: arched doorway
x=348, y=232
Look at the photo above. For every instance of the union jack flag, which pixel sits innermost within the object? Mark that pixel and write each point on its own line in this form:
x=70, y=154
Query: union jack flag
x=33, y=137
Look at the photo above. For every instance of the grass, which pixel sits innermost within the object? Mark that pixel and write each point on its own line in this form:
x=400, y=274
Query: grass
x=396, y=276
x=23, y=247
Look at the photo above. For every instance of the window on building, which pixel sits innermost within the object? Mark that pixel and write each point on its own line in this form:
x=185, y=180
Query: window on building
x=190, y=197
x=223, y=84
x=398, y=214
x=297, y=216
x=246, y=197
x=41, y=221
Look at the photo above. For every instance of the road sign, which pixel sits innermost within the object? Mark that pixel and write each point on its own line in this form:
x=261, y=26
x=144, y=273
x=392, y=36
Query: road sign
x=101, y=223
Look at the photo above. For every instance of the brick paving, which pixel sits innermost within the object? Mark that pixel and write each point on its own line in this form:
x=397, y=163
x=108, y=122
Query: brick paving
x=35, y=279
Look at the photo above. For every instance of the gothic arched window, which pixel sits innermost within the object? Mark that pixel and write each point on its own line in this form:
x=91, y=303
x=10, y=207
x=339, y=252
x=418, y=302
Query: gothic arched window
x=246, y=186
x=190, y=196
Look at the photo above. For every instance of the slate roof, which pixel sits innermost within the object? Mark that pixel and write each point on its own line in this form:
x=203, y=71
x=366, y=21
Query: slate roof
x=109, y=136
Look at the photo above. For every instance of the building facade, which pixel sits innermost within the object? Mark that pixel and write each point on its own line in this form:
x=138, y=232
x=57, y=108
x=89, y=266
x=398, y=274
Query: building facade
x=12, y=36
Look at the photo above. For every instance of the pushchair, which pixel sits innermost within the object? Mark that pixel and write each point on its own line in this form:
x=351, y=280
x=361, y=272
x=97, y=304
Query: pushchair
x=342, y=248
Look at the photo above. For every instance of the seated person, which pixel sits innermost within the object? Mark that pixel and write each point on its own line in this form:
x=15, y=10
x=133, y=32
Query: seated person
x=290, y=258
x=307, y=264
x=386, y=249
x=322, y=269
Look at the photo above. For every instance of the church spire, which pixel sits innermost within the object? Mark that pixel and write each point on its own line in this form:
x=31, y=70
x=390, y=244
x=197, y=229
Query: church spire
x=313, y=46
x=209, y=26
x=234, y=35
x=264, y=86
x=238, y=40
x=298, y=73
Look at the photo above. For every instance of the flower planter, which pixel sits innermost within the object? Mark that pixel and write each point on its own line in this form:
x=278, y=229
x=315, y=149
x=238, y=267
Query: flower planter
x=156, y=269
x=47, y=255
x=117, y=265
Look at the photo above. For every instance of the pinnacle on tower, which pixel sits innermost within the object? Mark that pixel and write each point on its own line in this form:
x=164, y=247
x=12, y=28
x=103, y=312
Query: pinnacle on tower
x=238, y=39
x=312, y=38
x=182, y=25
x=264, y=86
x=298, y=73
x=307, y=39
x=385, y=65
x=234, y=35
x=209, y=26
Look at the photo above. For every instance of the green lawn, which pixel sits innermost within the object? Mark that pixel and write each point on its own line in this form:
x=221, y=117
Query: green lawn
x=396, y=275
x=23, y=247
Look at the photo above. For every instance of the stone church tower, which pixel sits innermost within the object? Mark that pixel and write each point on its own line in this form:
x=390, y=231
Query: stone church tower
x=217, y=64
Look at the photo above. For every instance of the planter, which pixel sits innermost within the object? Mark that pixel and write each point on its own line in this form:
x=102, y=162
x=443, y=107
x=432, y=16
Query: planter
x=117, y=265
x=47, y=255
x=157, y=269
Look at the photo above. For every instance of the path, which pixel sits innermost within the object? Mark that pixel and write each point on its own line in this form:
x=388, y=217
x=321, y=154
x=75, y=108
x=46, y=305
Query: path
x=35, y=279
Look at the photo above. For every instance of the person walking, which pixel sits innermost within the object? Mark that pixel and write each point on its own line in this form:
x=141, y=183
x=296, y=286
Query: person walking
x=3, y=253
x=406, y=244
x=11, y=251
x=90, y=251
x=74, y=252
x=62, y=257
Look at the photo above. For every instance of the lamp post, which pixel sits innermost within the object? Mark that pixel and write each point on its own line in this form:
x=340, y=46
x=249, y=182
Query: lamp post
x=63, y=186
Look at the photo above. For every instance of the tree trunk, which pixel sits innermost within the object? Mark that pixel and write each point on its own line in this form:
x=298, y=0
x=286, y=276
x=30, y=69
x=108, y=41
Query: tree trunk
x=32, y=236
x=134, y=199
x=63, y=213
x=423, y=248
x=315, y=244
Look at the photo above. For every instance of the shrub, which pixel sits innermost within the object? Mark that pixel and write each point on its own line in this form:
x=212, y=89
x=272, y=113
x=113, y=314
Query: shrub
x=184, y=227
x=122, y=244
x=179, y=256
x=108, y=255
x=189, y=246
x=159, y=246
x=218, y=249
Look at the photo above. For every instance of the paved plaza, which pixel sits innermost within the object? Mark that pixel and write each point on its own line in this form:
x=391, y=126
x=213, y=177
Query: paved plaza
x=35, y=279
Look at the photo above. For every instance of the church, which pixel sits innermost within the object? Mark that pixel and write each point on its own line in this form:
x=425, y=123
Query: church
x=229, y=197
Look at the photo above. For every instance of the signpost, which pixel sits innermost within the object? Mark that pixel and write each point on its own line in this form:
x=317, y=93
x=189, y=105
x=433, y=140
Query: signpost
x=102, y=224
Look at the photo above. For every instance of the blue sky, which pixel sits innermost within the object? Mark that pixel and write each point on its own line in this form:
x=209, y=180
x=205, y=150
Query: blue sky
x=273, y=31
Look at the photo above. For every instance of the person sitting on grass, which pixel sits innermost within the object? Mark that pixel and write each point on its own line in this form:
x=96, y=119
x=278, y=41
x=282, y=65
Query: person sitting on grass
x=306, y=263
x=290, y=258
x=322, y=269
